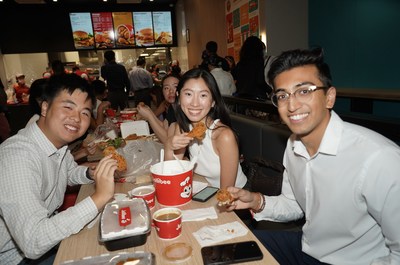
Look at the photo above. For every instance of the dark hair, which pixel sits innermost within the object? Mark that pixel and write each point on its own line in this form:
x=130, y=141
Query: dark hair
x=36, y=93
x=70, y=83
x=58, y=67
x=295, y=58
x=231, y=60
x=172, y=74
x=141, y=61
x=176, y=70
x=212, y=46
x=252, y=49
x=219, y=110
x=98, y=87
x=109, y=55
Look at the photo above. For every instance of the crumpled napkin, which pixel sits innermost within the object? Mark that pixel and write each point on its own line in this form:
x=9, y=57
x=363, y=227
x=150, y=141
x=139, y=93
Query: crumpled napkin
x=199, y=214
x=210, y=235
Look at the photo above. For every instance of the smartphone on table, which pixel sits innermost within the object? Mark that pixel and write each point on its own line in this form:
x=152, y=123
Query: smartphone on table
x=231, y=253
x=205, y=194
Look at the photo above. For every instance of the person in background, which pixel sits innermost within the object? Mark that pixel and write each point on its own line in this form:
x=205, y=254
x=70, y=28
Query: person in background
x=224, y=79
x=101, y=93
x=249, y=71
x=57, y=68
x=231, y=62
x=155, y=74
x=211, y=50
x=117, y=81
x=166, y=110
x=342, y=177
x=199, y=101
x=21, y=89
x=32, y=190
x=141, y=82
x=5, y=129
x=76, y=70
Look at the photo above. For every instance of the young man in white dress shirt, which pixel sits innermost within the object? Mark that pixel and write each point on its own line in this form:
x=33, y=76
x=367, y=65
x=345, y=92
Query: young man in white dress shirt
x=36, y=169
x=342, y=177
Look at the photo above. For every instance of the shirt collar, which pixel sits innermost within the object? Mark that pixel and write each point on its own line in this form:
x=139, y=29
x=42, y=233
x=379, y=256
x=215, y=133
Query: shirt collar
x=330, y=141
x=43, y=142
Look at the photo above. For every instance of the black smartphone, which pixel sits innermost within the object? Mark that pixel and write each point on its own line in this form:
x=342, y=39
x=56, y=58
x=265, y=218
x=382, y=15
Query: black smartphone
x=205, y=194
x=231, y=253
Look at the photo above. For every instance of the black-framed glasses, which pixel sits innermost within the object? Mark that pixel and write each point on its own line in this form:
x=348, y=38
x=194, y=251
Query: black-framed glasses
x=303, y=94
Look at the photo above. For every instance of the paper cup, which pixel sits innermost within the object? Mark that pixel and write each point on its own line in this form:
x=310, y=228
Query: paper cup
x=173, y=183
x=145, y=192
x=168, y=222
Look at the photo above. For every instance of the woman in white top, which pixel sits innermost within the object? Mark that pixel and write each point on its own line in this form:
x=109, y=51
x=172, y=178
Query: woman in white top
x=199, y=100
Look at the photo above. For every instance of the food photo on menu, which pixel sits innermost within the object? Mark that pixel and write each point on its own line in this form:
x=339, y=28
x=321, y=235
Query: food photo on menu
x=82, y=30
x=103, y=30
x=162, y=27
x=123, y=29
x=144, y=33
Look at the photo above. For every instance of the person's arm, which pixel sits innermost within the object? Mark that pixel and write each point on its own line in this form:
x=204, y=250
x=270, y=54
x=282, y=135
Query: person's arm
x=228, y=151
x=381, y=191
x=157, y=125
x=100, y=112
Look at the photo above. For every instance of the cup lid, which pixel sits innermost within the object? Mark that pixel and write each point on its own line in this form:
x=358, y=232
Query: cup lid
x=177, y=252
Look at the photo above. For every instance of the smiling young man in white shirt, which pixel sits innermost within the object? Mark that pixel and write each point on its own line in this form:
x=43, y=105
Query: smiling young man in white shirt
x=343, y=178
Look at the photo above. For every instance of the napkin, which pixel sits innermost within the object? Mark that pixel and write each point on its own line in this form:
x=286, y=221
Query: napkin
x=199, y=214
x=211, y=235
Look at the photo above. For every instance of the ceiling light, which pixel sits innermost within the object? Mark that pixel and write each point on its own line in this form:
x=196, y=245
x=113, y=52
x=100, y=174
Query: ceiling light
x=144, y=54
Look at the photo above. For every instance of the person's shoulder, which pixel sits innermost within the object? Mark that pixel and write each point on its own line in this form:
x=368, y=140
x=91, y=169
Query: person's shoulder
x=223, y=132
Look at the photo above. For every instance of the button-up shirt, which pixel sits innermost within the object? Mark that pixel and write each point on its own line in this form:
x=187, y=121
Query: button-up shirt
x=349, y=192
x=34, y=177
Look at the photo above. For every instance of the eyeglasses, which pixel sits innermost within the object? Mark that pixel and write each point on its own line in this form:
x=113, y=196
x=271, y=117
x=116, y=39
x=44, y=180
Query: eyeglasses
x=303, y=94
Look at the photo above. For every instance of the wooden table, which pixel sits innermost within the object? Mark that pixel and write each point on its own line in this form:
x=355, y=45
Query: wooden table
x=85, y=243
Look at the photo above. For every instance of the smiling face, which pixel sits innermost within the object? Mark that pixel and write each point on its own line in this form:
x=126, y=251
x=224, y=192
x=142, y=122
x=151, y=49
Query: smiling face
x=307, y=120
x=169, y=89
x=195, y=99
x=67, y=118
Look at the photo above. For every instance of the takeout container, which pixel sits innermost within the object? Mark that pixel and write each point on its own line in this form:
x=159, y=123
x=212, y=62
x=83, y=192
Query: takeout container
x=173, y=183
x=143, y=258
x=125, y=224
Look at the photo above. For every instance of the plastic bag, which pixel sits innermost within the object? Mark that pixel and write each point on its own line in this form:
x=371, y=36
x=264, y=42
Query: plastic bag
x=140, y=155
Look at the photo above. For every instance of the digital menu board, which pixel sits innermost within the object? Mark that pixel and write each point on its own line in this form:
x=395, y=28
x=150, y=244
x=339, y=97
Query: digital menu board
x=123, y=28
x=108, y=30
x=144, y=34
x=82, y=30
x=103, y=30
x=162, y=27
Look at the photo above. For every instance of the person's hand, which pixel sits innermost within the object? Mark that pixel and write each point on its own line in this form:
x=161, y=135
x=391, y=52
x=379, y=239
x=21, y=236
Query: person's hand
x=243, y=199
x=144, y=111
x=103, y=106
x=104, y=179
x=178, y=141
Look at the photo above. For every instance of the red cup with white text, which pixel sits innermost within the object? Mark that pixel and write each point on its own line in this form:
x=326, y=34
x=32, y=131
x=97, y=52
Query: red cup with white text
x=168, y=222
x=147, y=193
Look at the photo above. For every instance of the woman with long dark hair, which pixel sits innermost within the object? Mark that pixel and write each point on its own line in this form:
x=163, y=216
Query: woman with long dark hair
x=200, y=101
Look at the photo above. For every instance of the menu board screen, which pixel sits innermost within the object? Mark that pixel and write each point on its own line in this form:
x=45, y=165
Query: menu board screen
x=123, y=28
x=162, y=27
x=103, y=30
x=82, y=30
x=143, y=28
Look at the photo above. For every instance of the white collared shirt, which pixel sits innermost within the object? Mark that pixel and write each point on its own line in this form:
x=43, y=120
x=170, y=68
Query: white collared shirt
x=34, y=177
x=350, y=194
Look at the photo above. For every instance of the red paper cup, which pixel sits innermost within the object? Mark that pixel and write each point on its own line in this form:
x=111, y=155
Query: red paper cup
x=145, y=192
x=173, y=183
x=168, y=222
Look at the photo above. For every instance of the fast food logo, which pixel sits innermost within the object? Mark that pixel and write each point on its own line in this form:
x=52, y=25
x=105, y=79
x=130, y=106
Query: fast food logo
x=187, y=188
x=163, y=182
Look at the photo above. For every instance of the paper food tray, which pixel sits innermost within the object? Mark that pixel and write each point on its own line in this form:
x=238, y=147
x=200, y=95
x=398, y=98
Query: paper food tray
x=131, y=127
